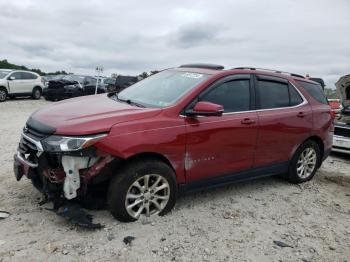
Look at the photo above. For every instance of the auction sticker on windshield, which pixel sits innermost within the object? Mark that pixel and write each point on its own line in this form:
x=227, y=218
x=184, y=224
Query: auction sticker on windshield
x=192, y=75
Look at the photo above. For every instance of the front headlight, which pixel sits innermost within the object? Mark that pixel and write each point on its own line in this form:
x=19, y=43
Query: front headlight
x=65, y=143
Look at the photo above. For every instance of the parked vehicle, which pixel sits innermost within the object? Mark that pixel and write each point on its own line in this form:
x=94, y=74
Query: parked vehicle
x=48, y=78
x=341, y=139
x=119, y=83
x=318, y=80
x=179, y=130
x=19, y=83
x=336, y=106
x=71, y=86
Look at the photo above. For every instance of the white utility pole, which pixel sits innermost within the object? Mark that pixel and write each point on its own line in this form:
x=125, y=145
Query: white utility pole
x=99, y=70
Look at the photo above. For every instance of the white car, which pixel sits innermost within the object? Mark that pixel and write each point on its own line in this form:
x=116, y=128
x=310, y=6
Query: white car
x=20, y=83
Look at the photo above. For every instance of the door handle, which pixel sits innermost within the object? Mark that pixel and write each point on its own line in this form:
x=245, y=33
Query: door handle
x=301, y=114
x=247, y=121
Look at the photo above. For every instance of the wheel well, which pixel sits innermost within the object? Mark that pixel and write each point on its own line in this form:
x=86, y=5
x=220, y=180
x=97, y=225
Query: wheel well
x=319, y=142
x=2, y=87
x=41, y=90
x=150, y=155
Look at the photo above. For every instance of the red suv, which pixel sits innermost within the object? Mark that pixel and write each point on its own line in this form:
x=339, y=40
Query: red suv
x=182, y=129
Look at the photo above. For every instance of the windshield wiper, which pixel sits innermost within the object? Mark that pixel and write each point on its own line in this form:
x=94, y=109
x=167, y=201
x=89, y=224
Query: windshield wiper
x=130, y=102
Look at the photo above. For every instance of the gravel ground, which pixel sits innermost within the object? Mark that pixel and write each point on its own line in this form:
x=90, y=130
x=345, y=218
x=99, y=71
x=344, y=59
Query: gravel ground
x=233, y=223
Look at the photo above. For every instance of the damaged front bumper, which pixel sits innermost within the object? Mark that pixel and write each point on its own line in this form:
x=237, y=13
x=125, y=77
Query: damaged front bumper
x=65, y=174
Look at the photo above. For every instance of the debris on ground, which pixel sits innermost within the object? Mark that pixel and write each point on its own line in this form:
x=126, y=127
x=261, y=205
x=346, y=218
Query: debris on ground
x=127, y=240
x=281, y=244
x=77, y=216
x=4, y=214
x=50, y=248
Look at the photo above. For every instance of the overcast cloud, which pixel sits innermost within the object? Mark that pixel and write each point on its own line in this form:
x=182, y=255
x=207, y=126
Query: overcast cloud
x=310, y=36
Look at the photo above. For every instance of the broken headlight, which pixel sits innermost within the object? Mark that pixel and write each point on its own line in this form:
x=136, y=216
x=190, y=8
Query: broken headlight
x=66, y=144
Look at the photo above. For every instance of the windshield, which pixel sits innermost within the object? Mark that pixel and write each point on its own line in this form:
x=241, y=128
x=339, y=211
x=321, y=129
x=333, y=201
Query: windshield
x=74, y=78
x=162, y=89
x=4, y=73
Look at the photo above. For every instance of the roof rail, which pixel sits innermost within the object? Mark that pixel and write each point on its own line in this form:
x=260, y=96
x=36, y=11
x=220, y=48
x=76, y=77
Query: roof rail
x=205, y=66
x=269, y=70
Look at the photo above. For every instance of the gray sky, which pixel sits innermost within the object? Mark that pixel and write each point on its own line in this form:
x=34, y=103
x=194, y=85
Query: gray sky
x=309, y=36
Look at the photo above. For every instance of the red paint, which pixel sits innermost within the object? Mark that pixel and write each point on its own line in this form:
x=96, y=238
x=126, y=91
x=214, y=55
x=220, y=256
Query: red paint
x=199, y=147
x=207, y=107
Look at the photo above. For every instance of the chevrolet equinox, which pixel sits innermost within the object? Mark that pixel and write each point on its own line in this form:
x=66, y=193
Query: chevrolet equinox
x=182, y=129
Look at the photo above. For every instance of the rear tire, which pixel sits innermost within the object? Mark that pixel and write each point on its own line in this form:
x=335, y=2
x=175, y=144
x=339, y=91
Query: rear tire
x=129, y=186
x=305, y=162
x=36, y=93
x=3, y=94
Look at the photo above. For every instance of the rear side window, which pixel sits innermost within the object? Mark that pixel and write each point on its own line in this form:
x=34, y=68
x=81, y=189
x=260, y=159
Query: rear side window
x=272, y=94
x=295, y=98
x=234, y=96
x=27, y=75
x=315, y=91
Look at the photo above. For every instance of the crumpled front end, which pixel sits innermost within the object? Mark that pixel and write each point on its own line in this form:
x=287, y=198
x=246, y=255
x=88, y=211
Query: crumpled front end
x=61, y=167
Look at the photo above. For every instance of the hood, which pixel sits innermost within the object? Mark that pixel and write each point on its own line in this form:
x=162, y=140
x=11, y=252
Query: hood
x=88, y=115
x=54, y=84
x=343, y=89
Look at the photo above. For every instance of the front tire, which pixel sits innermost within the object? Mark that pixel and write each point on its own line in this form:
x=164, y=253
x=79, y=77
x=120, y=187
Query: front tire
x=36, y=93
x=305, y=162
x=146, y=187
x=3, y=94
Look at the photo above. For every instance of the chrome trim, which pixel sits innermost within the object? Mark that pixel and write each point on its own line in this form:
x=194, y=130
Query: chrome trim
x=305, y=102
x=337, y=125
x=341, y=150
x=341, y=141
x=29, y=163
x=35, y=142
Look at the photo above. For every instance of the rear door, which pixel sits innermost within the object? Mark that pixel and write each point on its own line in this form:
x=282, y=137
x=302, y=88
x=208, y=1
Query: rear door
x=222, y=145
x=285, y=120
x=29, y=81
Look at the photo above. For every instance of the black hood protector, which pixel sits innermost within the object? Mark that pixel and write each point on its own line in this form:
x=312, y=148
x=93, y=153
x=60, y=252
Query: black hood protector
x=36, y=126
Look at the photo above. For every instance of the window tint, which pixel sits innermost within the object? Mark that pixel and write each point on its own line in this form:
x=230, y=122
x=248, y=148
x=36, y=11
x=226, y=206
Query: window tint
x=315, y=91
x=26, y=75
x=295, y=98
x=17, y=75
x=272, y=94
x=234, y=96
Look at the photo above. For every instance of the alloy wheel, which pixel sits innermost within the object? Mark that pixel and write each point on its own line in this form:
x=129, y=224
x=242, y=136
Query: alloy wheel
x=307, y=162
x=148, y=195
x=37, y=94
x=2, y=95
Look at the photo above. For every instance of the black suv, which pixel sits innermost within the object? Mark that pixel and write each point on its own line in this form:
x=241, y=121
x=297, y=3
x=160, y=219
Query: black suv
x=71, y=86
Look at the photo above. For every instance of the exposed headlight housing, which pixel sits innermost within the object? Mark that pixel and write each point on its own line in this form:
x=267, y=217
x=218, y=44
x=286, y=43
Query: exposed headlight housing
x=66, y=143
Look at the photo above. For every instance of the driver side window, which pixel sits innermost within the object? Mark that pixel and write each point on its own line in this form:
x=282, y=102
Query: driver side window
x=234, y=96
x=16, y=75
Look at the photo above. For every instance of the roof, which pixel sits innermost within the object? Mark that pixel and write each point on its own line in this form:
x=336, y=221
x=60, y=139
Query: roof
x=213, y=69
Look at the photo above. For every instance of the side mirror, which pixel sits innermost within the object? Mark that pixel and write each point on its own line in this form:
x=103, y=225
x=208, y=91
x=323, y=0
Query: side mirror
x=11, y=78
x=203, y=108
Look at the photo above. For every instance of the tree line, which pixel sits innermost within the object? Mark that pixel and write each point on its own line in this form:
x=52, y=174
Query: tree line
x=4, y=64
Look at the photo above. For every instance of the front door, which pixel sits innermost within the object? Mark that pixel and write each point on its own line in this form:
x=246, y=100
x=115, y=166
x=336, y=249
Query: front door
x=16, y=85
x=220, y=145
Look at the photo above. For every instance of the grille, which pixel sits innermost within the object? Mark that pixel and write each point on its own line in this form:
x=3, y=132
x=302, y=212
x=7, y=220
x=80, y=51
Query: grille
x=27, y=146
x=345, y=132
